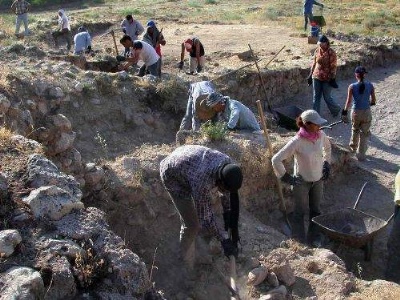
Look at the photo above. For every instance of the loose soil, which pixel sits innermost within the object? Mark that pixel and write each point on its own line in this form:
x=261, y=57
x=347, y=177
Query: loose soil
x=222, y=44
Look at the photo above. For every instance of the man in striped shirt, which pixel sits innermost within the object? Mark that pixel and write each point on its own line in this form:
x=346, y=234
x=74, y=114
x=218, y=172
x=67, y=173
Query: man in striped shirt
x=189, y=174
x=21, y=8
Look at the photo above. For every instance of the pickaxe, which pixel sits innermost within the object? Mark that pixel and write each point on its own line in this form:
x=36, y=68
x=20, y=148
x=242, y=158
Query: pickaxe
x=113, y=36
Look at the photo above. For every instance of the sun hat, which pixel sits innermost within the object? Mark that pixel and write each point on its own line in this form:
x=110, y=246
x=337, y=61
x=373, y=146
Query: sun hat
x=215, y=98
x=360, y=70
x=323, y=39
x=231, y=176
x=312, y=116
x=204, y=112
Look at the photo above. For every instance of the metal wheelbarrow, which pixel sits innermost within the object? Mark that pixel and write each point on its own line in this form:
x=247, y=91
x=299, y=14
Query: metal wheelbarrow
x=352, y=227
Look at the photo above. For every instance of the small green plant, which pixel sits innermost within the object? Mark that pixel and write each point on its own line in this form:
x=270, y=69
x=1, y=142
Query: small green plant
x=214, y=131
x=211, y=2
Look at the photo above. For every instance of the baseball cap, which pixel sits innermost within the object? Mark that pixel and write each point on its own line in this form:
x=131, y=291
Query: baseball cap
x=151, y=23
x=360, y=70
x=312, y=116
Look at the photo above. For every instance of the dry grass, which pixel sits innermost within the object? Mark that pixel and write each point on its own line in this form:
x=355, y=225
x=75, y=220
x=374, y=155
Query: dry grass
x=364, y=17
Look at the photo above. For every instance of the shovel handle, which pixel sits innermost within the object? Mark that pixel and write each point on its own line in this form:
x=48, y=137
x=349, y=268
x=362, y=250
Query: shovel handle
x=359, y=195
x=115, y=42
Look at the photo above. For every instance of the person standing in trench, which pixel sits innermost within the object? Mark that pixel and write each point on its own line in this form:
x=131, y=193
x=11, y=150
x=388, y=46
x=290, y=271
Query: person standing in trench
x=311, y=150
x=362, y=95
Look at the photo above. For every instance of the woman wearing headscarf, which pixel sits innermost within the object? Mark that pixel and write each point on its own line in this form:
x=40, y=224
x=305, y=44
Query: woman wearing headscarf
x=64, y=30
x=311, y=150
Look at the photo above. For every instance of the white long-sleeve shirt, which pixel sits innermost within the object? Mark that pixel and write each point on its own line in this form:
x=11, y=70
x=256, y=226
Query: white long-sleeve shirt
x=309, y=157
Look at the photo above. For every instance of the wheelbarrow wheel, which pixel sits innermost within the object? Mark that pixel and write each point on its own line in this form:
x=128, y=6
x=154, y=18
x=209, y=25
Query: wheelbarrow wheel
x=368, y=250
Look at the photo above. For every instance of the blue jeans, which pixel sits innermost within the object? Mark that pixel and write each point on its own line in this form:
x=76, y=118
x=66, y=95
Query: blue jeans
x=22, y=18
x=322, y=88
x=154, y=69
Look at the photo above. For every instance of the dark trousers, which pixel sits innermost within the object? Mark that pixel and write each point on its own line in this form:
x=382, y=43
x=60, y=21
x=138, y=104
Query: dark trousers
x=64, y=34
x=308, y=196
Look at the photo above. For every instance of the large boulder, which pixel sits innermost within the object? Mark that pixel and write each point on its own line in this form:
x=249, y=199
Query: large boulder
x=9, y=239
x=42, y=172
x=58, y=279
x=21, y=283
x=51, y=202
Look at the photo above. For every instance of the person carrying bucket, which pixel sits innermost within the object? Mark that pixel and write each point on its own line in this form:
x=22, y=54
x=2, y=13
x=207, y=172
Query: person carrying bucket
x=308, y=11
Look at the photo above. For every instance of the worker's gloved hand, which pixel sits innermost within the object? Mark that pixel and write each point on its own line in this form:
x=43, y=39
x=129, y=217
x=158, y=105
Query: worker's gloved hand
x=333, y=83
x=120, y=58
x=124, y=30
x=229, y=248
x=199, y=69
x=309, y=80
x=345, y=117
x=326, y=170
x=292, y=180
x=180, y=65
x=88, y=49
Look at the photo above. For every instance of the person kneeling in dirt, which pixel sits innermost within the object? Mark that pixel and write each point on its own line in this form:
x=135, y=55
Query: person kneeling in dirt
x=189, y=174
x=362, y=94
x=311, y=149
x=64, y=31
x=141, y=50
x=393, y=243
x=198, y=91
x=155, y=38
x=196, y=53
x=234, y=113
x=83, y=41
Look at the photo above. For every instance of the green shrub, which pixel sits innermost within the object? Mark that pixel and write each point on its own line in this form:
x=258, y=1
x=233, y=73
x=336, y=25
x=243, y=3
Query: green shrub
x=214, y=131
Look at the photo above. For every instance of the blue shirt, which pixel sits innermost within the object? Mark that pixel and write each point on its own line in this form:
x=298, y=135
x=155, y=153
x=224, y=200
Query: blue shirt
x=82, y=40
x=361, y=101
x=239, y=116
x=308, y=6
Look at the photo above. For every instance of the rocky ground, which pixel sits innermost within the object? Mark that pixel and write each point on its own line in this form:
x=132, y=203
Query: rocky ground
x=110, y=130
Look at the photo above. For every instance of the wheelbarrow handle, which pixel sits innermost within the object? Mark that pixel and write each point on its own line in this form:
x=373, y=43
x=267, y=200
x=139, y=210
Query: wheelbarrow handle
x=331, y=125
x=390, y=218
x=359, y=195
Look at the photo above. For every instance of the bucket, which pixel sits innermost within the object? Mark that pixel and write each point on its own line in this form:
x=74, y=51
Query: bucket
x=314, y=29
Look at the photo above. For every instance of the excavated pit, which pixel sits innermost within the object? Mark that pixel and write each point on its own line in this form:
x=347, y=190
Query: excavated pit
x=128, y=131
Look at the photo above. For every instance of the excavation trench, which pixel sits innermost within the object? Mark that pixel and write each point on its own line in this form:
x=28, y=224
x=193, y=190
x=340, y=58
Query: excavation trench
x=128, y=124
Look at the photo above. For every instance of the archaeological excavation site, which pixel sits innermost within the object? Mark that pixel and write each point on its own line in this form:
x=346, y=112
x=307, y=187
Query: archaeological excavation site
x=85, y=215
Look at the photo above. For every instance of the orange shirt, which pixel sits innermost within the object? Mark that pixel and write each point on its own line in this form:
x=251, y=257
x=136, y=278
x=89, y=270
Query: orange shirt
x=325, y=64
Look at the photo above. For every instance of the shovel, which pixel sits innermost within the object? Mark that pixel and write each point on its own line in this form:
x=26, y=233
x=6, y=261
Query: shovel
x=287, y=229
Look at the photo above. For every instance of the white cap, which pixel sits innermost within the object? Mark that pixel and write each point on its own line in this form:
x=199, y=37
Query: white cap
x=312, y=116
